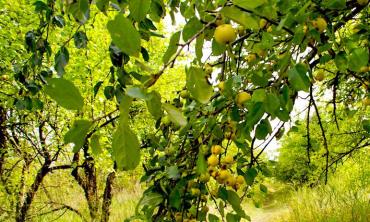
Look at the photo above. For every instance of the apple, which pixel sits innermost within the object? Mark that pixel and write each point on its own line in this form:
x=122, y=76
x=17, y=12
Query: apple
x=242, y=97
x=225, y=34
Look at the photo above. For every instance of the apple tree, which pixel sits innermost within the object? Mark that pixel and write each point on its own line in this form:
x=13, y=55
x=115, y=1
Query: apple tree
x=251, y=62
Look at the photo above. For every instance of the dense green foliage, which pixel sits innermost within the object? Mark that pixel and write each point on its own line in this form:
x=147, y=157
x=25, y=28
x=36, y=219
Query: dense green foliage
x=299, y=165
x=106, y=77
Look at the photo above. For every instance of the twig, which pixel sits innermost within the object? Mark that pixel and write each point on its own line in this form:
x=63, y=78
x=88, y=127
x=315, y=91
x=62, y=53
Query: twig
x=157, y=75
x=325, y=140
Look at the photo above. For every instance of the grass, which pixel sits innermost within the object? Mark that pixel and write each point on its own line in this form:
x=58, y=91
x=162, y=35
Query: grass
x=345, y=198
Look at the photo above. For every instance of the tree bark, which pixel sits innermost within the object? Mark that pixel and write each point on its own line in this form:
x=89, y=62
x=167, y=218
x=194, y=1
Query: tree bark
x=107, y=198
x=26, y=203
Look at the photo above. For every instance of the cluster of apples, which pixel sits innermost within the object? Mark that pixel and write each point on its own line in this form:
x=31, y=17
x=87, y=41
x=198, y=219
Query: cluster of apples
x=219, y=169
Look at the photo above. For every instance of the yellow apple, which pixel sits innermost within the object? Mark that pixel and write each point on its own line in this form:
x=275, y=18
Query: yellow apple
x=204, y=177
x=228, y=159
x=320, y=76
x=320, y=24
x=241, y=30
x=221, y=86
x=184, y=94
x=269, y=29
x=231, y=181
x=212, y=160
x=262, y=23
x=242, y=97
x=240, y=179
x=195, y=191
x=225, y=34
x=251, y=58
x=208, y=69
x=366, y=101
x=224, y=175
x=216, y=149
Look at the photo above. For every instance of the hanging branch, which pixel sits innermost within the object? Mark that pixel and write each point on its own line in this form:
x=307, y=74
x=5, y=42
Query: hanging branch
x=269, y=141
x=335, y=87
x=309, y=146
x=324, y=137
x=251, y=153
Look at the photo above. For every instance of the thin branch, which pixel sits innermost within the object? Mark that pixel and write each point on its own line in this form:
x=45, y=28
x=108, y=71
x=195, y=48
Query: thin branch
x=157, y=75
x=335, y=86
x=325, y=140
x=308, y=128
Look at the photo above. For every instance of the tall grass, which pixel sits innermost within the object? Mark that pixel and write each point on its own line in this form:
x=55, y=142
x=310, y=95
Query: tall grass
x=346, y=198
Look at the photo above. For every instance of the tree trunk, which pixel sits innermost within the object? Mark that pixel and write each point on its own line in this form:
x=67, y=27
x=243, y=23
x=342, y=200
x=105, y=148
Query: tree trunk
x=25, y=205
x=107, y=198
x=87, y=181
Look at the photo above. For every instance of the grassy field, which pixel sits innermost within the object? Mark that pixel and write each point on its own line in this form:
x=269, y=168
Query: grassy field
x=345, y=198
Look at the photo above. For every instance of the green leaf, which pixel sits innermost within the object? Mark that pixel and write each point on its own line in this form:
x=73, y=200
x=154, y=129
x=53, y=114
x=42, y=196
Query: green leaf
x=172, y=47
x=335, y=4
x=201, y=163
x=97, y=87
x=191, y=28
x=95, y=144
x=175, y=198
x=249, y=4
x=174, y=114
x=260, y=78
x=293, y=129
x=102, y=5
x=358, y=58
x=298, y=77
x=243, y=18
x=234, y=200
x=213, y=218
x=271, y=103
x=124, y=35
x=26, y=103
x=259, y=95
x=151, y=199
x=173, y=172
x=125, y=145
x=58, y=20
x=198, y=85
x=65, y=93
x=217, y=48
x=232, y=217
x=137, y=92
x=61, y=60
x=80, y=39
x=126, y=149
x=255, y=113
x=77, y=134
x=263, y=188
x=366, y=125
x=109, y=92
x=144, y=54
x=199, y=47
x=139, y=9
x=80, y=10
x=154, y=104
x=267, y=40
x=263, y=129
x=341, y=61
x=250, y=176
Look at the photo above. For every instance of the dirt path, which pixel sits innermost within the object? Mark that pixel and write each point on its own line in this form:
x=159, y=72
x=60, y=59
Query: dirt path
x=269, y=215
